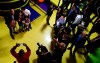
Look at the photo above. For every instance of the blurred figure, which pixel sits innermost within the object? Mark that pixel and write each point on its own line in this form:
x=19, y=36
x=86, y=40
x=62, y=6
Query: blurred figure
x=61, y=22
x=27, y=13
x=86, y=22
x=77, y=21
x=78, y=41
x=22, y=56
x=10, y=21
x=94, y=44
x=71, y=15
x=59, y=13
x=95, y=28
x=27, y=23
x=20, y=20
x=87, y=9
x=49, y=13
x=58, y=52
x=97, y=14
x=44, y=56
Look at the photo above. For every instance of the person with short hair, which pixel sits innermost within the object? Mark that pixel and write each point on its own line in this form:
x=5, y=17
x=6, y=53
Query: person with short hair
x=95, y=28
x=10, y=21
x=21, y=56
x=49, y=13
x=78, y=41
x=61, y=22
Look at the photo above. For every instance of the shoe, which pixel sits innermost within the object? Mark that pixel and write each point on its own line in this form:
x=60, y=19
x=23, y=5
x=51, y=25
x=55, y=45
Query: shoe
x=54, y=24
x=48, y=23
x=30, y=27
x=69, y=48
x=12, y=37
x=15, y=32
x=27, y=29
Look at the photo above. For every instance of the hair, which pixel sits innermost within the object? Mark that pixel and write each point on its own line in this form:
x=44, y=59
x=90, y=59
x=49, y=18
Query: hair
x=21, y=52
x=23, y=8
x=44, y=49
x=12, y=11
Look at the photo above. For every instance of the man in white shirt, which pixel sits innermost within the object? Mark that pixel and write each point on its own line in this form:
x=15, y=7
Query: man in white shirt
x=77, y=21
x=27, y=13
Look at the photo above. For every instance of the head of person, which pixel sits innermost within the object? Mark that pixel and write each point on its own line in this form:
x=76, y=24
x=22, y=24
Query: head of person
x=89, y=2
x=65, y=36
x=12, y=11
x=20, y=13
x=98, y=20
x=23, y=9
x=83, y=33
x=44, y=49
x=51, y=6
x=62, y=46
x=59, y=8
x=81, y=27
x=73, y=7
x=21, y=52
x=63, y=17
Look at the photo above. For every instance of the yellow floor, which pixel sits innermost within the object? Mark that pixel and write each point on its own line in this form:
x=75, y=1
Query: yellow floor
x=40, y=33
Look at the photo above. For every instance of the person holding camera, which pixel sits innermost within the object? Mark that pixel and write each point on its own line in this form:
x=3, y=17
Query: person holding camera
x=22, y=56
x=58, y=51
x=44, y=56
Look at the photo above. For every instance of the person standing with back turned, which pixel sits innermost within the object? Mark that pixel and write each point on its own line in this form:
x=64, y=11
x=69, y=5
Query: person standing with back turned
x=22, y=56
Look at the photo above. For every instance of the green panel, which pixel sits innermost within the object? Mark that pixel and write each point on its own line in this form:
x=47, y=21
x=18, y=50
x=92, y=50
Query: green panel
x=94, y=57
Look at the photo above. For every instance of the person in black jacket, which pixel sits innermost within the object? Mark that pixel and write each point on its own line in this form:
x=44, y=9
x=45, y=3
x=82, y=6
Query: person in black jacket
x=95, y=43
x=79, y=42
x=49, y=13
x=71, y=15
x=95, y=28
x=44, y=56
x=10, y=21
x=59, y=50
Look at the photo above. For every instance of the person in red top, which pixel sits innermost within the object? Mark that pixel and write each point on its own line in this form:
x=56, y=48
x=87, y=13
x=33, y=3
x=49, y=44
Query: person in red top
x=22, y=56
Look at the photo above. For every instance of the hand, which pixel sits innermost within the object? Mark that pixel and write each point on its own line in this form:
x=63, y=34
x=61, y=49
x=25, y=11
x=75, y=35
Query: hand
x=17, y=44
x=24, y=44
x=37, y=43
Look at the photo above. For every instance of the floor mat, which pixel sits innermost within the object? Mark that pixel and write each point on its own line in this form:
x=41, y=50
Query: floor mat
x=44, y=6
x=34, y=14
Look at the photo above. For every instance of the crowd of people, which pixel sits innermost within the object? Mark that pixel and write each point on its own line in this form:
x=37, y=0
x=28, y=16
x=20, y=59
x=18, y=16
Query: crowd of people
x=69, y=28
x=22, y=17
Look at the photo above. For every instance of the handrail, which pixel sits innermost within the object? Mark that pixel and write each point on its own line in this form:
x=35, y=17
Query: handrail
x=16, y=8
x=9, y=1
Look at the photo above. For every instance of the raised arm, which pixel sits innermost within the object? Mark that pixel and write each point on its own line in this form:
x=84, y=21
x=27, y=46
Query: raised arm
x=13, y=52
x=28, y=50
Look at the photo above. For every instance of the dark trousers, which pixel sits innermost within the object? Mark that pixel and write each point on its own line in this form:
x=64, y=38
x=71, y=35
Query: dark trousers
x=47, y=20
x=11, y=31
x=73, y=26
